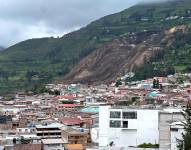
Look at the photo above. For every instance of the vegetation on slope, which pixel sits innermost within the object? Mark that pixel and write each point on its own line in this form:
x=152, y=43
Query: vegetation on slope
x=41, y=60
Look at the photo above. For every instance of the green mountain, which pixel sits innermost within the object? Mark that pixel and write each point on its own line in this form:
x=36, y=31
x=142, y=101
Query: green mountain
x=37, y=61
x=1, y=48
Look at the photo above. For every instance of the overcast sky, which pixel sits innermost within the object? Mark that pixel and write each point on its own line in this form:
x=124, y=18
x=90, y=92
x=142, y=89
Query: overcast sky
x=24, y=19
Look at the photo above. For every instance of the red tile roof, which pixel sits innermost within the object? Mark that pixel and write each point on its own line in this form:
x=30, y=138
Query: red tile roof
x=70, y=121
x=68, y=105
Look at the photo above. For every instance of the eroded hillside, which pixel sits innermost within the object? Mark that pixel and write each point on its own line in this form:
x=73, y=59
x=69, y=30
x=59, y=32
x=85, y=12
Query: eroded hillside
x=122, y=55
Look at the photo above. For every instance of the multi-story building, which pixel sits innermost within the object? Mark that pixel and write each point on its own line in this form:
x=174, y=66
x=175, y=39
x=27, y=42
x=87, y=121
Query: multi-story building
x=166, y=118
x=52, y=130
x=76, y=136
x=53, y=144
x=176, y=130
x=24, y=142
x=127, y=127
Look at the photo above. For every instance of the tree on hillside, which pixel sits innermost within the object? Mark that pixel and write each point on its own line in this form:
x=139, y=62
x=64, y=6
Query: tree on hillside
x=156, y=84
x=185, y=142
x=118, y=83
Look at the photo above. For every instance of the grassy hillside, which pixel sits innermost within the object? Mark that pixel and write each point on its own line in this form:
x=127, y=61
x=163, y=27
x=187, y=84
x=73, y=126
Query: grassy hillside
x=42, y=60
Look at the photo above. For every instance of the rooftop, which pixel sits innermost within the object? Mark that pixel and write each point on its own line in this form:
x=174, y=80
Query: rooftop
x=71, y=121
x=27, y=147
x=90, y=110
x=54, y=141
x=52, y=125
x=74, y=146
x=71, y=130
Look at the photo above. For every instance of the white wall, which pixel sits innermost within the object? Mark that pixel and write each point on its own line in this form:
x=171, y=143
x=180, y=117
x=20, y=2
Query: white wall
x=103, y=125
x=54, y=147
x=144, y=129
x=147, y=126
x=174, y=136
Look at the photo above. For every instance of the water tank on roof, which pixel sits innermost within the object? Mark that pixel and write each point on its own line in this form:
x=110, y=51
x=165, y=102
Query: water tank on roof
x=81, y=130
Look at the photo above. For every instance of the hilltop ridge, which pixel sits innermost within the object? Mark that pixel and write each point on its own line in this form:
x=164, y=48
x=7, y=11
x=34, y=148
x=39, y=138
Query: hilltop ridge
x=39, y=61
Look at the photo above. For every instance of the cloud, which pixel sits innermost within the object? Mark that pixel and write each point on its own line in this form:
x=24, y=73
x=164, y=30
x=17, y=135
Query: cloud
x=23, y=19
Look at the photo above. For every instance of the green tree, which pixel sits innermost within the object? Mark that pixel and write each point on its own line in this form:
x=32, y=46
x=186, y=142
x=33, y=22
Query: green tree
x=185, y=142
x=118, y=83
x=29, y=75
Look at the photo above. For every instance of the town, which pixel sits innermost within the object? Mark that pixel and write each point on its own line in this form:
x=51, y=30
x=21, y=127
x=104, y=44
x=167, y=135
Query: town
x=123, y=115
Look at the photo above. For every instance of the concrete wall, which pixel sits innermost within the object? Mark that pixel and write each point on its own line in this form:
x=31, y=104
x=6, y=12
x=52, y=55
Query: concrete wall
x=144, y=129
x=53, y=147
x=174, y=136
x=103, y=125
x=147, y=127
x=165, y=119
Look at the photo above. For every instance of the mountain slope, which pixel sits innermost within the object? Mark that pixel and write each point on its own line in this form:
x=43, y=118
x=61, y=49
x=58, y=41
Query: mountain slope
x=163, y=47
x=1, y=48
x=43, y=60
x=126, y=54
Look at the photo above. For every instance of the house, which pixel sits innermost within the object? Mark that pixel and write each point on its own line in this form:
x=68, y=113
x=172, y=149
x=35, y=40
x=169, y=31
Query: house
x=49, y=130
x=89, y=119
x=5, y=122
x=68, y=107
x=71, y=121
x=53, y=144
x=20, y=122
x=75, y=136
x=24, y=142
x=27, y=147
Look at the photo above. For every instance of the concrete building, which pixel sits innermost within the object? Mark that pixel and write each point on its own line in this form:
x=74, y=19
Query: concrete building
x=167, y=117
x=127, y=127
x=176, y=130
x=75, y=136
x=24, y=142
x=53, y=144
x=52, y=130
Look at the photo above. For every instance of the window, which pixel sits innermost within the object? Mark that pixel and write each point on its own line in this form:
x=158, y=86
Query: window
x=39, y=134
x=125, y=124
x=130, y=115
x=45, y=134
x=115, y=114
x=174, y=129
x=115, y=124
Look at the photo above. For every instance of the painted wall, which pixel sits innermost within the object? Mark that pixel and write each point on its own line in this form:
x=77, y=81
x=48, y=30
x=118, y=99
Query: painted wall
x=54, y=147
x=144, y=129
x=174, y=136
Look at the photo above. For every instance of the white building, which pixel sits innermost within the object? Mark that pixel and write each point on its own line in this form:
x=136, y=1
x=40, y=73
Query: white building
x=166, y=117
x=176, y=130
x=51, y=130
x=127, y=127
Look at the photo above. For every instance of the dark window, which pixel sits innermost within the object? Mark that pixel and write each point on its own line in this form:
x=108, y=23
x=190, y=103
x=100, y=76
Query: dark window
x=174, y=129
x=4, y=119
x=115, y=124
x=125, y=124
x=45, y=134
x=39, y=134
x=130, y=115
x=115, y=114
